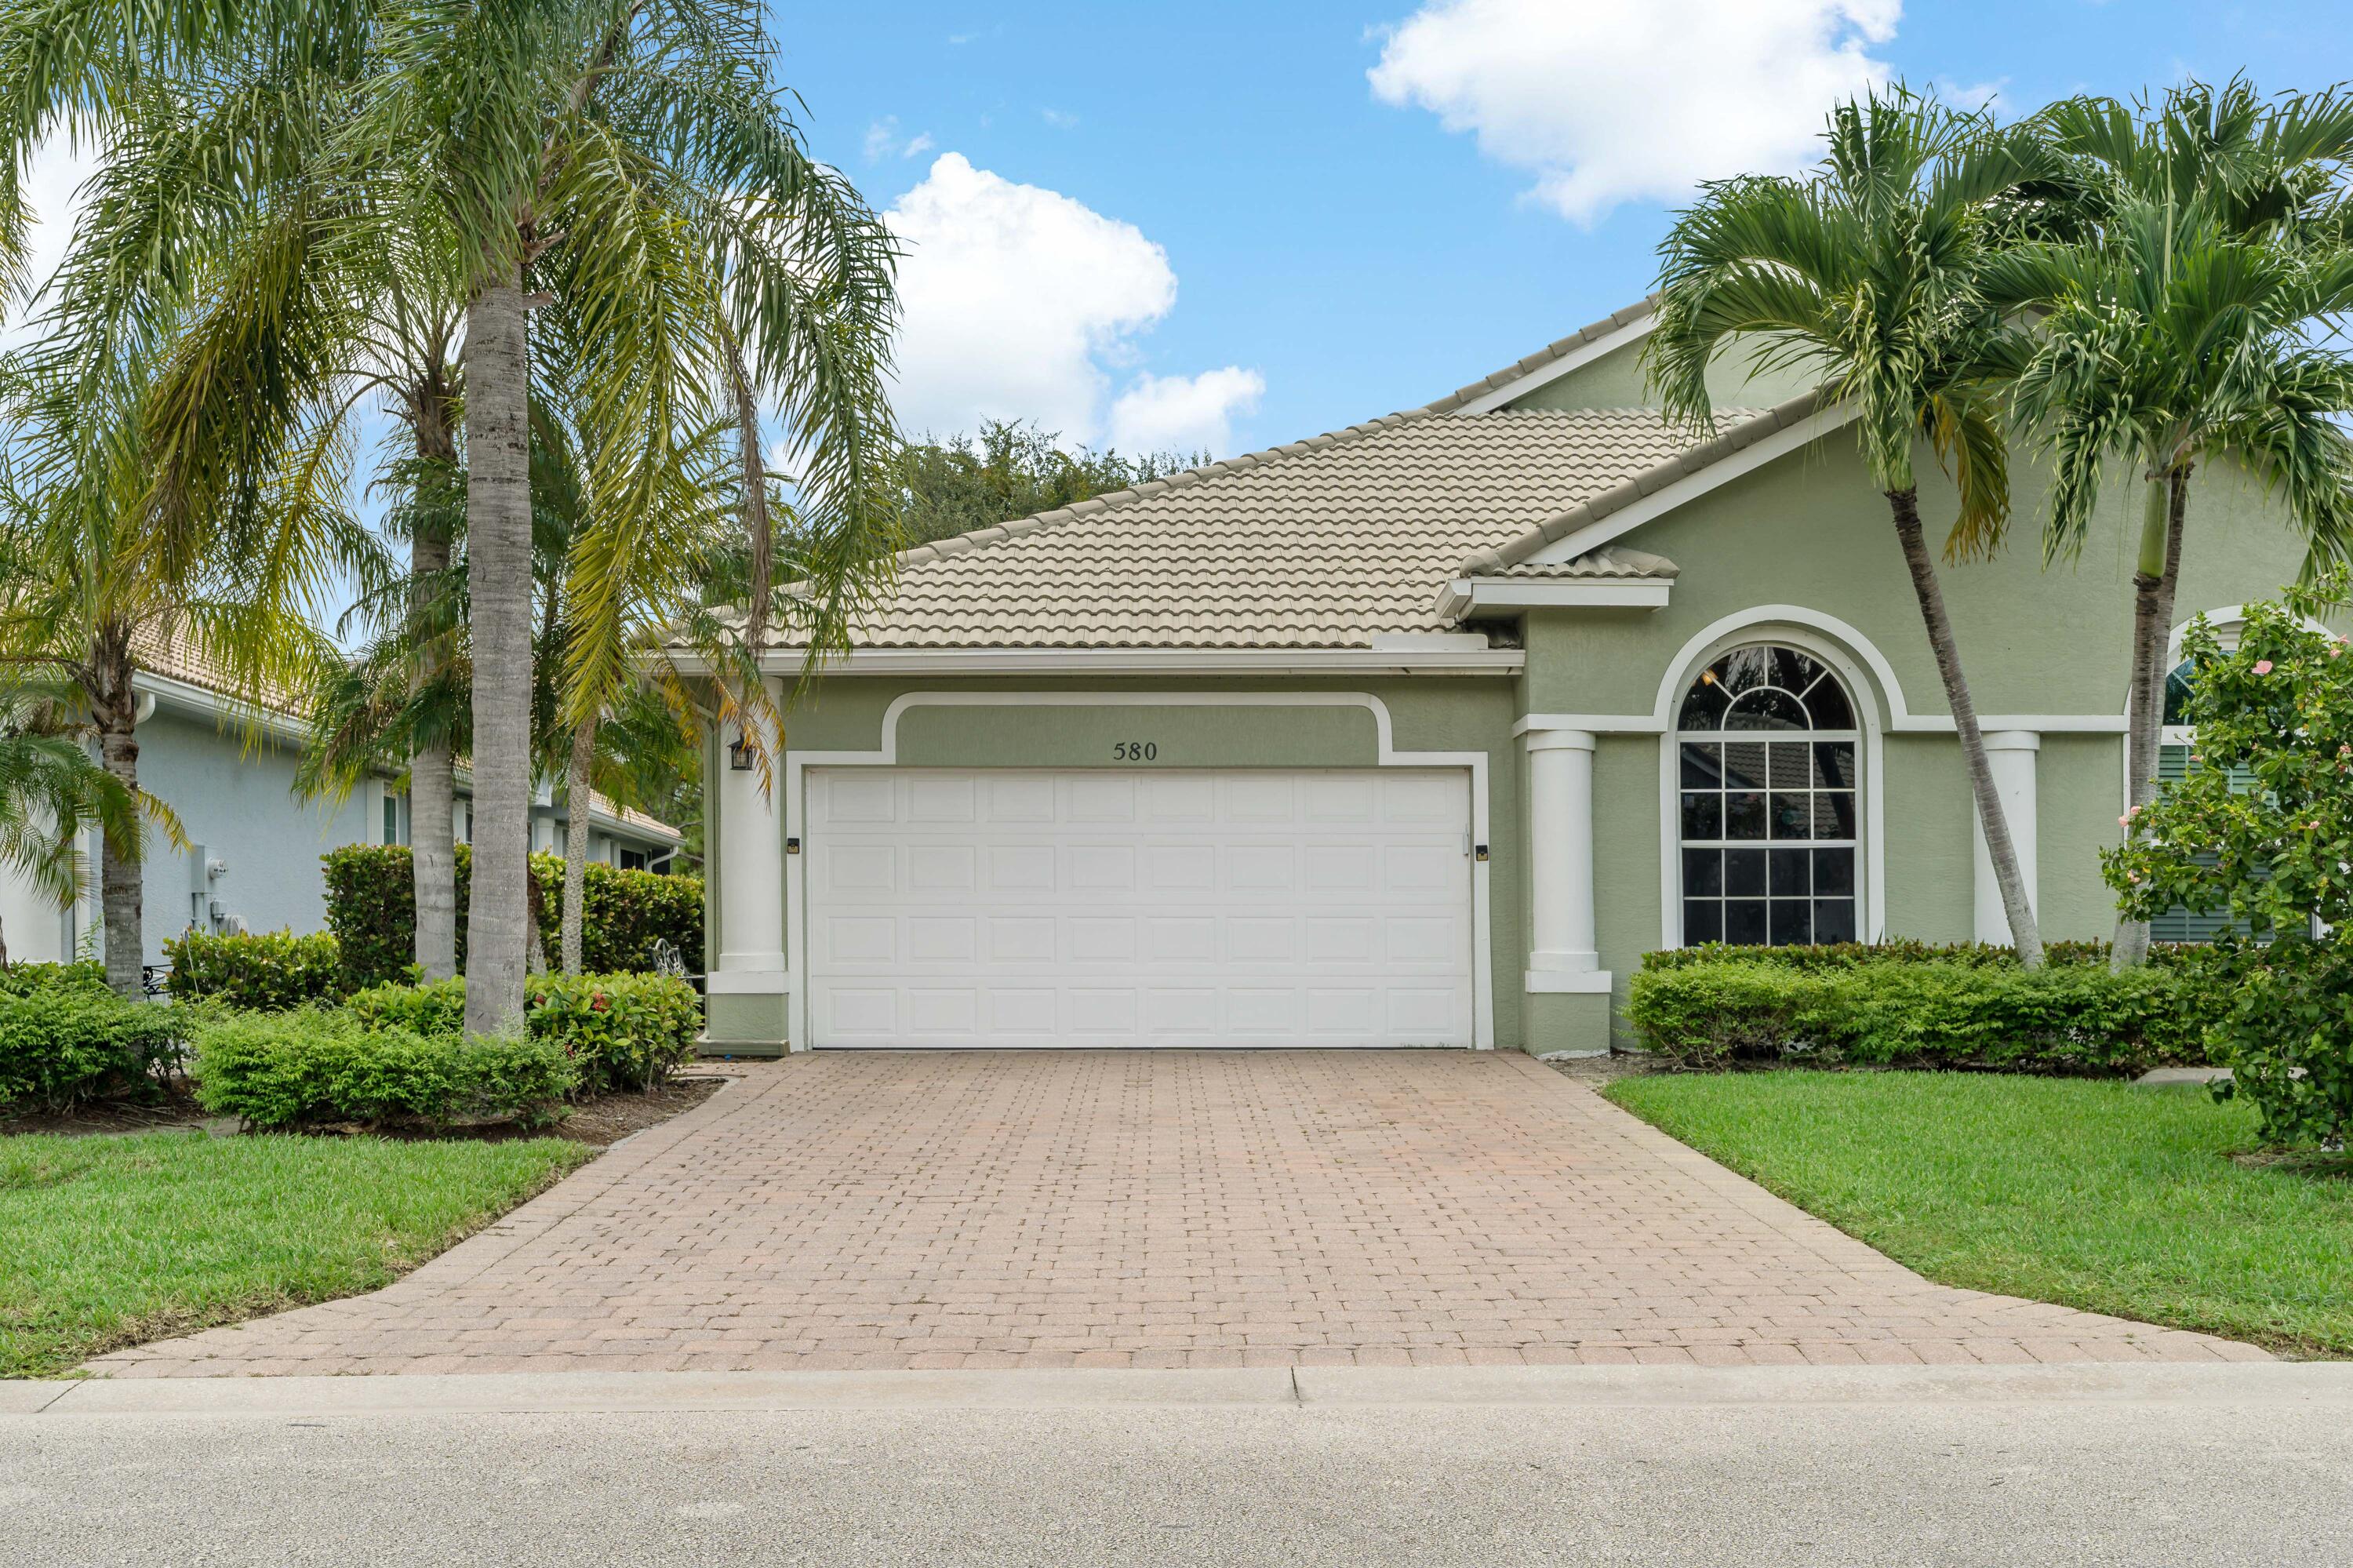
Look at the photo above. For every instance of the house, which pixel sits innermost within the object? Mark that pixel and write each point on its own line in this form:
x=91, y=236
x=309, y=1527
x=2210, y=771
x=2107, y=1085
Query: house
x=1423, y=732
x=254, y=845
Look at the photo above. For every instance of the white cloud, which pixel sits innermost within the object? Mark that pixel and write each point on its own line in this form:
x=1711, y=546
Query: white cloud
x=1615, y=100
x=1059, y=119
x=52, y=188
x=1184, y=414
x=1021, y=304
x=883, y=140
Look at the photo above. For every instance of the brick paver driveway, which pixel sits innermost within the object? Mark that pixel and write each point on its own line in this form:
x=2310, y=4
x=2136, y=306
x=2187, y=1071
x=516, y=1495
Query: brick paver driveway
x=1154, y=1209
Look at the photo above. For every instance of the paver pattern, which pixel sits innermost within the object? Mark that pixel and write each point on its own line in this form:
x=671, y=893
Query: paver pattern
x=1154, y=1209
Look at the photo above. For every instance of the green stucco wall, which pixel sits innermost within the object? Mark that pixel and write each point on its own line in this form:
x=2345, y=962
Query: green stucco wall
x=1615, y=380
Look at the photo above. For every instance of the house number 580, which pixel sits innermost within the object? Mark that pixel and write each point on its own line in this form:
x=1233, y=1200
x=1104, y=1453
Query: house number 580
x=1135, y=751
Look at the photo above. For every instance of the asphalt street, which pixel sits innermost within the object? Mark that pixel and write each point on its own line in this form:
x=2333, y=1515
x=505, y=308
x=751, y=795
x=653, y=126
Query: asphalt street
x=2048, y=1479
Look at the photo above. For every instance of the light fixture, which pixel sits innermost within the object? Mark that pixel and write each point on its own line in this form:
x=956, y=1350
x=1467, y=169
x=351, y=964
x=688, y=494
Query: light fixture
x=739, y=752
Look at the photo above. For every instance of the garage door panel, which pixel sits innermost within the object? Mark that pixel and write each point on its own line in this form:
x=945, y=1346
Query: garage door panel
x=1139, y=908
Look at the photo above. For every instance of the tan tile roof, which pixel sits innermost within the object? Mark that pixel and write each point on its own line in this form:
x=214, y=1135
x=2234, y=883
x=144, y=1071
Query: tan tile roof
x=1737, y=428
x=1323, y=544
x=179, y=657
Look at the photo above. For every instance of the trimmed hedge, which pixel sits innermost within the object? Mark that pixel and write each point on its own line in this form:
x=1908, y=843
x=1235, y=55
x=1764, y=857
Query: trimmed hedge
x=371, y=910
x=266, y=971
x=65, y=1039
x=1919, y=1007
x=625, y=913
x=620, y=1030
x=315, y=1065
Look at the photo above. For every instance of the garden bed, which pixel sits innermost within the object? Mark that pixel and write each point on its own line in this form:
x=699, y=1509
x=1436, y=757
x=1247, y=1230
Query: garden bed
x=2098, y=1195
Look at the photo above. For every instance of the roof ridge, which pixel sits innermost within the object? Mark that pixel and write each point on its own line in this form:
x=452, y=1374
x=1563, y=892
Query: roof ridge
x=997, y=533
x=1651, y=479
x=1550, y=353
x=1013, y=528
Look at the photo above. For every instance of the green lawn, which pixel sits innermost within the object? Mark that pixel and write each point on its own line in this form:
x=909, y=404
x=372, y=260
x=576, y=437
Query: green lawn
x=108, y=1241
x=2095, y=1194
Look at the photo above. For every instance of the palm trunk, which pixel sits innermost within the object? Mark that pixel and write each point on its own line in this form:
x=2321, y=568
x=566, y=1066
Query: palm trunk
x=575, y=843
x=2156, y=576
x=122, y=887
x=2023, y=931
x=432, y=780
x=499, y=577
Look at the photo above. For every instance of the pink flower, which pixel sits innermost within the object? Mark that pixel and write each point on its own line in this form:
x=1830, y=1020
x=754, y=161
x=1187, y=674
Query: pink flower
x=2262, y=666
x=2125, y=821
x=2336, y=649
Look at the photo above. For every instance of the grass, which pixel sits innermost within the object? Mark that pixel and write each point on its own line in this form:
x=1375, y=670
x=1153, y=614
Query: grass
x=2093, y=1194
x=105, y=1242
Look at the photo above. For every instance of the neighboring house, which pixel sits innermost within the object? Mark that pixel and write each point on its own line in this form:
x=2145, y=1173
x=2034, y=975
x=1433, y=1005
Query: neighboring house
x=254, y=847
x=1424, y=731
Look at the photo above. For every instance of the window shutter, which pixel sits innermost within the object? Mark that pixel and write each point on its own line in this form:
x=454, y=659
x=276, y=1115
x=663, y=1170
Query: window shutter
x=2178, y=925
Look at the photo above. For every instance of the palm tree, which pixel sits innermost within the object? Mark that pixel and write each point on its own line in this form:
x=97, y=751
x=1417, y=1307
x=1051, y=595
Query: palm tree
x=2179, y=327
x=559, y=141
x=1867, y=273
x=51, y=791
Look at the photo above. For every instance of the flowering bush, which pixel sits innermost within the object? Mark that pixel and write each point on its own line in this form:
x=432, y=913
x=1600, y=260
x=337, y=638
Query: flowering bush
x=2273, y=847
x=621, y=1032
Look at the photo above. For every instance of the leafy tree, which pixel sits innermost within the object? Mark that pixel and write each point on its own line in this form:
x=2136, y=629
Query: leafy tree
x=1869, y=274
x=2262, y=827
x=1011, y=469
x=2180, y=328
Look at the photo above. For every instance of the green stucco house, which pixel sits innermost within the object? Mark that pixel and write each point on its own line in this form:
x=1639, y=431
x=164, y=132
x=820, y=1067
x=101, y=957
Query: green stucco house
x=1423, y=732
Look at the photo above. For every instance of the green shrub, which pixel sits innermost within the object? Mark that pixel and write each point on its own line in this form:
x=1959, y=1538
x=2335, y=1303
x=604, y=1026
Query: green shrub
x=1900, y=950
x=268, y=971
x=436, y=1008
x=371, y=910
x=623, y=1030
x=24, y=979
x=2262, y=828
x=67, y=1043
x=624, y=914
x=2067, y=1018
x=320, y=1065
x=620, y=1030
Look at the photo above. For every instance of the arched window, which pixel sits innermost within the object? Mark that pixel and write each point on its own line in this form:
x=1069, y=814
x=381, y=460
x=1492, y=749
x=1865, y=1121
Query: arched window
x=1766, y=746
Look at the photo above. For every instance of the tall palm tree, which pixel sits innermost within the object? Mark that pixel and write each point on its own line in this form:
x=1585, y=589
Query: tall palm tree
x=51, y=791
x=1867, y=274
x=2180, y=325
x=540, y=128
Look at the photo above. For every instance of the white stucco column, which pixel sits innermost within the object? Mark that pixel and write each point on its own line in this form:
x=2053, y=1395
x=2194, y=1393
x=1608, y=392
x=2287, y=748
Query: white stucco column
x=2010, y=754
x=1562, y=943
x=752, y=868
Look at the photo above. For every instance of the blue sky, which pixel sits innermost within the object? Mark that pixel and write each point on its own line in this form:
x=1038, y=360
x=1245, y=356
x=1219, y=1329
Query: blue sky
x=1347, y=249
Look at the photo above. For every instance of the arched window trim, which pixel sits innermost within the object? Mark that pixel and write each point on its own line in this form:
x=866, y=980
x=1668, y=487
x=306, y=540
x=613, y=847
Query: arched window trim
x=1869, y=679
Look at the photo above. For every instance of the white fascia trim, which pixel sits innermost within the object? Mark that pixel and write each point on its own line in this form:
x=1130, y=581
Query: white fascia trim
x=1464, y=595
x=1574, y=359
x=1152, y=662
x=168, y=690
x=1692, y=486
x=1386, y=755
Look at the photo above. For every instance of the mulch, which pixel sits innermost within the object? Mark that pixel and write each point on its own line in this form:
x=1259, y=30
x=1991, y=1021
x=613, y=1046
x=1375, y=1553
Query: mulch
x=599, y=1123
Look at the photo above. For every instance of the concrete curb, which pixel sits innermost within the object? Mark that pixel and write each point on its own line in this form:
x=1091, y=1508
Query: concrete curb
x=2242, y=1383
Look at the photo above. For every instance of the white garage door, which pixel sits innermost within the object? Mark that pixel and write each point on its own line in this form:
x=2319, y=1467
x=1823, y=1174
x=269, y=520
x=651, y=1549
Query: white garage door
x=1086, y=909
